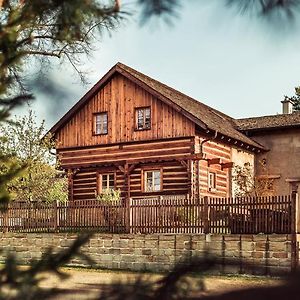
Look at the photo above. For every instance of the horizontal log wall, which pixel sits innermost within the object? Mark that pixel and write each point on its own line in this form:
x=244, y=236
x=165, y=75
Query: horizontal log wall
x=175, y=181
x=85, y=185
x=119, y=98
x=175, y=176
x=211, y=150
x=84, y=157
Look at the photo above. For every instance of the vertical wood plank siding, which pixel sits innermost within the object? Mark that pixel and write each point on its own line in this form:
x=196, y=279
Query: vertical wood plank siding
x=119, y=97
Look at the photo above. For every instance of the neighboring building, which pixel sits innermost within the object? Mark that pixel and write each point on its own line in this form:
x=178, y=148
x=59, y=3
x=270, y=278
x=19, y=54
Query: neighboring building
x=281, y=135
x=133, y=133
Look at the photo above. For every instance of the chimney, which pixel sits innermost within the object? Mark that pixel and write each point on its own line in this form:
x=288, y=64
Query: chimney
x=287, y=106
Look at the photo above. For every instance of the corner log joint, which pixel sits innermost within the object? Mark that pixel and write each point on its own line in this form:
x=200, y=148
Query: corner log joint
x=228, y=165
x=214, y=161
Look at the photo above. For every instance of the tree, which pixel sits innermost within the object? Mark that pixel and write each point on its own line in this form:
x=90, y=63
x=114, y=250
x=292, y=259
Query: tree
x=295, y=99
x=266, y=8
x=64, y=30
x=39, y=30
x=18, y=283
x=27, y=145
x=247, y=184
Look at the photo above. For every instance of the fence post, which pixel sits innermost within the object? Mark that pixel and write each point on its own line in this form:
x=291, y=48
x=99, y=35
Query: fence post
x=297, y=211
x=5, y=218
x=205, y=211
x=55, y=215
x=293, y=212
x=127, y=214
x=161, y=220
x=294, y=229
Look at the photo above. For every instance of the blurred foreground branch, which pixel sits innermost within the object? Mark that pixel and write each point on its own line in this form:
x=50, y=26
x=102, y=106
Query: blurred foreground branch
x=19, y=283
x=177, y=285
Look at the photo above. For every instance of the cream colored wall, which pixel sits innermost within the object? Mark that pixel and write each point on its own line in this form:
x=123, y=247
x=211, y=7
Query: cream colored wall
x=240, y=158
x=283, y=159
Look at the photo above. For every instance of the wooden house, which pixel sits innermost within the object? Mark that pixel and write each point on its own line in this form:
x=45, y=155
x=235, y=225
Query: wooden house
x=133, y=133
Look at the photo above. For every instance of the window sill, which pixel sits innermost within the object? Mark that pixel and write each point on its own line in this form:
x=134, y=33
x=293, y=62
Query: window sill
x=144, y=129
x=97, y=134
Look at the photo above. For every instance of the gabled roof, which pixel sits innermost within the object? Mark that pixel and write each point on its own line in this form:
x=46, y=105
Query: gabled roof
x=269, y=122
x=204, y=116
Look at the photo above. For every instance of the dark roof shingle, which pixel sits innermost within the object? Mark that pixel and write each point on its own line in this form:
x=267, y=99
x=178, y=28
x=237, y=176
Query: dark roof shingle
x=269, y=122
x=214, y=119
x=203, y=115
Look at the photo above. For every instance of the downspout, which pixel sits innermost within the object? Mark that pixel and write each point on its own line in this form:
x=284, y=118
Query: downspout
x=207, y=140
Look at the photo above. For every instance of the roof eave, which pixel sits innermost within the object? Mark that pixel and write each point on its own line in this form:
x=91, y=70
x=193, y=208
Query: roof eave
x=118, y=69
x=268, y=128
x=103, y=81
x=83, y=100
x=162, y=98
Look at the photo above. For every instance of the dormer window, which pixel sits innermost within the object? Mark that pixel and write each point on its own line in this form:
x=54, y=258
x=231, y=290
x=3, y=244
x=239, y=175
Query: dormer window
x=100, y=123
x=143, y=118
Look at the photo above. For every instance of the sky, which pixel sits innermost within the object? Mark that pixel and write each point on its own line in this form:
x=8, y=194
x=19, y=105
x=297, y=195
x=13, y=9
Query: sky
x=238, y=64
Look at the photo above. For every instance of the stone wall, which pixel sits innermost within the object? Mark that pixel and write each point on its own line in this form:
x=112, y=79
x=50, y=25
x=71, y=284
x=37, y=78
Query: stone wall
x=160, y=252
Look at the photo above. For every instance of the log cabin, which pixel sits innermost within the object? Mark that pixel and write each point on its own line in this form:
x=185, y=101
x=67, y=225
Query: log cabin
x=135, y=134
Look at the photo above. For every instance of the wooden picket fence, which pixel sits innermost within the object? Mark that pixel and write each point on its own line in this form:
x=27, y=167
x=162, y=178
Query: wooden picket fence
x=248, y=215
x=168, y=214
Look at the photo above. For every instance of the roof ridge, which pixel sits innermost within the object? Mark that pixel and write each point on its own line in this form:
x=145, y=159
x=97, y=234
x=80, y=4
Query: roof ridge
x=215, y=111
x=217, y=120
x=269, y=122
x=197, y=112
x=270, y=116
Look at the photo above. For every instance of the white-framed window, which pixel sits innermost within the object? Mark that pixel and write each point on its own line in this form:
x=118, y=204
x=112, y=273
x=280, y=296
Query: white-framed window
x=106, y=181
x=212, y=181
x=152, y=181
x=143, y=118
x=100, y=123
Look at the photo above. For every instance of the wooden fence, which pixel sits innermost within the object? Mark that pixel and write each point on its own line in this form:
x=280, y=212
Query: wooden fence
x=168, y=214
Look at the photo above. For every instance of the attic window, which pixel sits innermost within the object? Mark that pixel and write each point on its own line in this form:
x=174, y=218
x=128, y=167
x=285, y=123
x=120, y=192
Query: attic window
x=100, y=123
x=143, y=118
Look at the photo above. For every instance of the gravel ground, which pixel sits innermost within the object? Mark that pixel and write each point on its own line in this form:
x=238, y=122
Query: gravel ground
x=87, y=284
